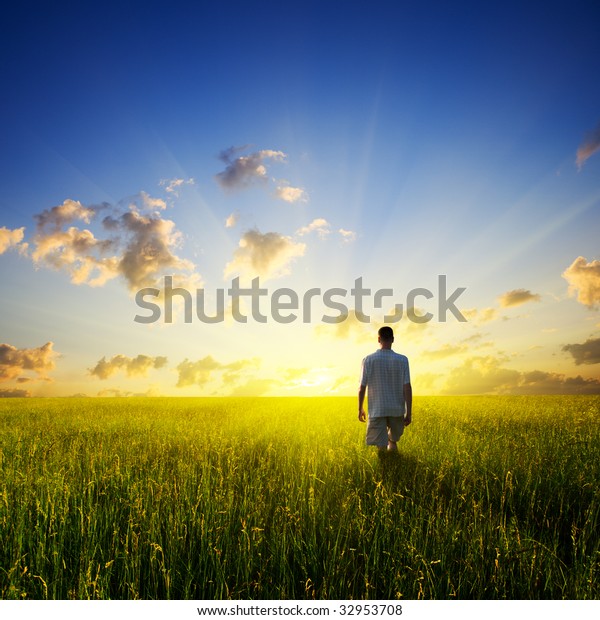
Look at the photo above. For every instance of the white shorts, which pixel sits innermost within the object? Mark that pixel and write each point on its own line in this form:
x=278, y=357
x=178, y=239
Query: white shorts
x=380, y=430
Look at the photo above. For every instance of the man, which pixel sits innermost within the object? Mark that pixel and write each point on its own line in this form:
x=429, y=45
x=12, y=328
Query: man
x=387, y=376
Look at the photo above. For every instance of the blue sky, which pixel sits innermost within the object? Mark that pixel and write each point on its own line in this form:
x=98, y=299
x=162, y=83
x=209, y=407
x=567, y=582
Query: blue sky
x=442, y=138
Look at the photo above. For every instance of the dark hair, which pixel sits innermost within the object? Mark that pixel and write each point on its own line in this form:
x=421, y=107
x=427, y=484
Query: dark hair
x=386, y=333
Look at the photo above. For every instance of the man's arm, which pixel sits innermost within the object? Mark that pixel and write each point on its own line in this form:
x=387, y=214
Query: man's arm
x=408, y=401
x=362, y=416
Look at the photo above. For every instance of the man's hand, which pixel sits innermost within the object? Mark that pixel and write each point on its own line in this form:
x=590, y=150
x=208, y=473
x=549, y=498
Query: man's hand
x=407, y=419
x=362, y=416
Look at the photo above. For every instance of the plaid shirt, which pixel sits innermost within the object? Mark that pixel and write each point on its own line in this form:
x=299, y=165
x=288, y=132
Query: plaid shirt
x=385, y=373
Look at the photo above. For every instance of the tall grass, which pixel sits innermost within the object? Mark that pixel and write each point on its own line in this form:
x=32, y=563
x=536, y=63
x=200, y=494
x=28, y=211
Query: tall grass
x=490, y=497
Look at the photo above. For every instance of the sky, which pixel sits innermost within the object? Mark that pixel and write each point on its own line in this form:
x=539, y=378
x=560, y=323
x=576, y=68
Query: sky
x=444, y=154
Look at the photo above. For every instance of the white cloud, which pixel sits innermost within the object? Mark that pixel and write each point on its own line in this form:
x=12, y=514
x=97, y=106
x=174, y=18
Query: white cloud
x=347, y=235
x=172, y=186
x=319, y=225
x=152, y=204
x=232, y=220
x=291, y=194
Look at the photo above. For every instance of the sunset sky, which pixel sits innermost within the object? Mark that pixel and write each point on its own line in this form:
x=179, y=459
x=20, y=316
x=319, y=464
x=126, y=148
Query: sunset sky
x=309, y=144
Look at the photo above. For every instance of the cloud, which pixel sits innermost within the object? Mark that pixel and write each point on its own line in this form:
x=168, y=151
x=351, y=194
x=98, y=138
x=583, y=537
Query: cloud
x=540, y=382
x=232, y=220
x=133, y=366
x=319, y=225
x=79, y=253
x=485, y=375
x=481, y=375
x=61, y=215
x=291, y=374
x=317, y=378
x=139, y=247
x=584, y=281
x=267, y=255
x=340, y=383
x=517, y=297
x=14, y=362
x=172, y=186
x=348, y=236
x=349, y=328
x=589, y=147
x=445, y=351
x=246, y=169
x=152, y=204
x=254, y=387
x=234, y=372
x=10, y=238
x=149, y=249
x=485, y=315
x=323, y=228
x=114, y=393
x=586, y=353
x=291, y=194
x=196, y=373
x=201, y=371
x=14, y=393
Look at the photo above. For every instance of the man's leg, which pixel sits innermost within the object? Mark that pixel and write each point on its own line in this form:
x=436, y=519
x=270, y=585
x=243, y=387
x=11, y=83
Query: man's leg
x=395, y=428
x=377, y=433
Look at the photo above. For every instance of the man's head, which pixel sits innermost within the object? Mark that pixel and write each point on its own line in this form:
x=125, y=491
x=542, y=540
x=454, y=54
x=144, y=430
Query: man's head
x=385, y=336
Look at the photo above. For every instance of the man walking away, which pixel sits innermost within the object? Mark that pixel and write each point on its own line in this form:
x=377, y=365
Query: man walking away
x=387, y=376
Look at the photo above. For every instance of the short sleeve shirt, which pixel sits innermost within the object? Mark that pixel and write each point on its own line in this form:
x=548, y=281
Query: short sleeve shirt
x=385, y=373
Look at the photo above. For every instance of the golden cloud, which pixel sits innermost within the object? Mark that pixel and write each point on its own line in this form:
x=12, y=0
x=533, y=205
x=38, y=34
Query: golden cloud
x=446, y=350
x=584, y=281
x=14, y=362
x=267, y=255
x=517, y=297
x=349, y=328
x=200, y=372
x=138, y=366
x=485, y=315
x=485, y=375
x=10, y=238
x=141, y=247
x=255, y=387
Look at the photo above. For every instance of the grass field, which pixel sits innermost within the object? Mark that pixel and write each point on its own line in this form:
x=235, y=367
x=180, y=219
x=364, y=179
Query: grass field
x=180, y=498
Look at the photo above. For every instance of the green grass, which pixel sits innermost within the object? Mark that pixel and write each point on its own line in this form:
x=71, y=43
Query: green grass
x=491, y=497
